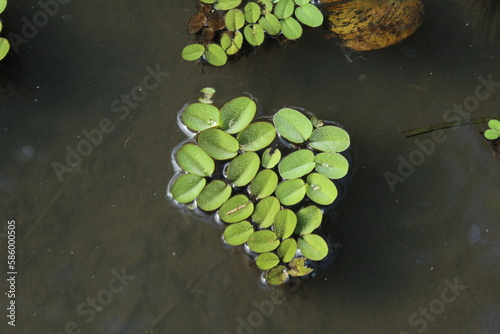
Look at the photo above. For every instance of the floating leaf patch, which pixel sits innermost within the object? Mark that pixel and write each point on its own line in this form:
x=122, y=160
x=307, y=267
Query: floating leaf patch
x=243, y=168
x=291, y=192
x=271, y=157
x=494, y=131
x=308, y=219
x=263, y=241
x=332, y=165
x=298, y=267
x=266, y=261
x=254, y=34
x=194, y=160
x=235, y=19
x=236, y=114
x=265, y=211
x=287, y=249
x=214, y=195
x=252, y=12
x=284, y=9
x=218, y=144
x=215, y=55
x=236, y=209
x=330, y=139
x=291, y=28
x=297, y=164
x=309, y=15
x=256, y=136
x=264, y=183
x=187, y=187
x=277, y=275
x=284, y=223
x=292, y=125
x=200, y=116
x=320, y=189
x=313, y=247
x=192, y=52
x=237, y=234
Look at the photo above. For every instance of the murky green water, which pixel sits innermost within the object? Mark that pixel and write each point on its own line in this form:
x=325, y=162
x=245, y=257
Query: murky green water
x=101, y=250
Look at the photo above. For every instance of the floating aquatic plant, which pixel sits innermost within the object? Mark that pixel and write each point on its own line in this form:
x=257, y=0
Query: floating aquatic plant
x=222, y=27
x=268, y=180
x=4, y=43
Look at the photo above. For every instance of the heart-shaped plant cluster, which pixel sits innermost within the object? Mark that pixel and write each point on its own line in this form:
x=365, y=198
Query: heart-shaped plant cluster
x=268, y=180
x=493, y=132
x=222, y=26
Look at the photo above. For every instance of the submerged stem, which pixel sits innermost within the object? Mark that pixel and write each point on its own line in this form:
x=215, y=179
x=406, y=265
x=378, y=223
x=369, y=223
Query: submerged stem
x=439, y=126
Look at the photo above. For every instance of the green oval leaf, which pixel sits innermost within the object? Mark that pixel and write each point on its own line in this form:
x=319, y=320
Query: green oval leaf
x=320, y=189
x=287, y=249
x=218, y=144
x=236, y=43
x=268, y=5
x=214, y=195
x=254, y=34
x=215, y=55
x=195, y=161
x=271, y=157
x=494, y=124
x=284, y=9
x=243, y=168
x=265, y=211
x=190, y=52
x=266, y=261
x=313, y=247
x=263, y=241
x=297, y=164
x=291, y=192
x=297, y=267
x=208, y=1
x=277, y=275
x=227, y=4
x=256, y=136
x=491, y=134
x=236, y=114
x=332, y=165
x=270, y=24
x=309, y=15
x=200, y=116
x=3, y=4
x=235, y=19
x=264, y=184
x=187, y=187
x=252, y=12
x=330, y=139
x=208, y=93
x=237, y=234
x=292, y=125
x=285, y=222
x=308, y=219
x=301, y=2
x=236, y=209
x=291, y=28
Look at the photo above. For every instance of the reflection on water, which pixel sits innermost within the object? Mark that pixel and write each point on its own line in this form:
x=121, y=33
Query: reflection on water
x=397, y=248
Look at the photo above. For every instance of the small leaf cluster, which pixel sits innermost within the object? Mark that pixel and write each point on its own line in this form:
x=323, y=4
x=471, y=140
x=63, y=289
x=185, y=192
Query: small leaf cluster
x=4, y=43
x=223, y=26
x=268, y=180
x=493, y=132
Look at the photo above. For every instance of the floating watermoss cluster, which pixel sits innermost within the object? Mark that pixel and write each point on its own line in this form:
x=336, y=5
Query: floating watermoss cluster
x=493, y=133
x=222, y=27
x=4, y=43
x=268, y=180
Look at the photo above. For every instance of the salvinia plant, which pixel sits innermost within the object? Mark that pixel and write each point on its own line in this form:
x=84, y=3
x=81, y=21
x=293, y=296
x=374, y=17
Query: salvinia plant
x=267, y=180
x=4, y=43
x=223, y=27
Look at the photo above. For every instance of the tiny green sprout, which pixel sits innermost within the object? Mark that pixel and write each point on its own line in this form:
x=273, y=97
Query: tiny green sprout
x=493, y=132
x=207, y=92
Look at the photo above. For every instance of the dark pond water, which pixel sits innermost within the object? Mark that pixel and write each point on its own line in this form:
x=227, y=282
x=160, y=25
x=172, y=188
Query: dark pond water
x=101, y=250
